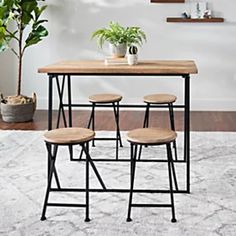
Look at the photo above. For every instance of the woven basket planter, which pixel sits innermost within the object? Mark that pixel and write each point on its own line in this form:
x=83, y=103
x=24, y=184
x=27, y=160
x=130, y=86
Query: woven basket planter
x=17, y=112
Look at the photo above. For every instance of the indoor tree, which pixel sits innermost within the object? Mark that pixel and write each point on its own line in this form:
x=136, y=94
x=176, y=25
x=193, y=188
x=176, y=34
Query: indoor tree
x=20, y=22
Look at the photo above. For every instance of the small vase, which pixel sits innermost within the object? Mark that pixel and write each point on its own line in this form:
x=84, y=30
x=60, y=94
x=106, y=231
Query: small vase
x=132, y=59
x=118, y=50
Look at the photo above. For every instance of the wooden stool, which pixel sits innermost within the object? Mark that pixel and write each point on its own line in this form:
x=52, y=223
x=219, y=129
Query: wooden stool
x=151, y=137
x=103, y=99
x=68, y=137
x=161, y=99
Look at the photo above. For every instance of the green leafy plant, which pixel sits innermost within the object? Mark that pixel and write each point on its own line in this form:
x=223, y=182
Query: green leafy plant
x=117, y=34
x=20, y=22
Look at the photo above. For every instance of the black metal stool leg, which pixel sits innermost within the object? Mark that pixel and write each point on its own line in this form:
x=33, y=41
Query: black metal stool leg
x=81, y=154
x=172, y=125
x=118, y=136
x=117, y=128
x=118, y=123
x=133, y=155
x=145, y=125
x=140, y=152
x=93, y=166
x=56, y=178
x=71, y=152
x=93, y=122
x=49, y=148
x=146, y=116
x=173, y=171
x=91, y=117
x=51, y=170
x=173, y=220
x=87, y=184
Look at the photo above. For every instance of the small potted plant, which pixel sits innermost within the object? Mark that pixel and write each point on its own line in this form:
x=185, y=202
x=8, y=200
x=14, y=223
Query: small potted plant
x=119, y=38
x=20, y=21
x=132, y=56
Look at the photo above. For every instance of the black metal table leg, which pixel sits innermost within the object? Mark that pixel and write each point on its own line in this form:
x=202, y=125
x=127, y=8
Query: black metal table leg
x=70, y=112
x=61, y=110
x=50, y=101
x=187, y=130
x=69, y=100
x=50, y=104
x=87, y=185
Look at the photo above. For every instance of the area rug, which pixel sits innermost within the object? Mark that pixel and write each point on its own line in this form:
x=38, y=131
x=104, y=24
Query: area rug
x=210, y=209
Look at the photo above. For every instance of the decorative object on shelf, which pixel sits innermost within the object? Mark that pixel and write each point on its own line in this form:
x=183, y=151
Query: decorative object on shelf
x=168, y=1
x=115, y=61
x=132, y=56
x=18, y=18
x=189, y=20
x=198, y=10
x=119, y=38
x=207, y=14
x=185, y=15
x=199, y=14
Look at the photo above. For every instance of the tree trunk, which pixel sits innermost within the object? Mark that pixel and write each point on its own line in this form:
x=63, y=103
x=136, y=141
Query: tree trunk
x=20, y=60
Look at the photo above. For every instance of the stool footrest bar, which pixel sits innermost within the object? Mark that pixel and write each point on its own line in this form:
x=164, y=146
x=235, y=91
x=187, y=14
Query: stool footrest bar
x=127, y=160
x=151, y=205
x=116, y=190
x=108, y=139
x=65, y=204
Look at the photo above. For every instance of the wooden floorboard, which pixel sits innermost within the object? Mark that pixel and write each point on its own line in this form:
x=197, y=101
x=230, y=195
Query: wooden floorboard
x=200, y=120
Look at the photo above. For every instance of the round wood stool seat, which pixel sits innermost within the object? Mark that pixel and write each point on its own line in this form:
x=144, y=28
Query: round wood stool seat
x=105, y=98
x=160, y=98
x=69, y=136
x=151, y=136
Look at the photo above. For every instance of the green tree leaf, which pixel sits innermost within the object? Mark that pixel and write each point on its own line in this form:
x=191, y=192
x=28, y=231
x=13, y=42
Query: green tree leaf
x=36, y=36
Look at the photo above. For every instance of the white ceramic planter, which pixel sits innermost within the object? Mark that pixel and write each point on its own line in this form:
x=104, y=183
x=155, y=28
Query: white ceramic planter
x=132, y=59
x=118, y=50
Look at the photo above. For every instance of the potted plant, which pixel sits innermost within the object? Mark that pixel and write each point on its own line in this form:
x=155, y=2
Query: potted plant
x=119, y=38
x=20, y=21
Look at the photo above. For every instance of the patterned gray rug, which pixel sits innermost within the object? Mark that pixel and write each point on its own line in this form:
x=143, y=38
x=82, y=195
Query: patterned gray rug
x=210, y=209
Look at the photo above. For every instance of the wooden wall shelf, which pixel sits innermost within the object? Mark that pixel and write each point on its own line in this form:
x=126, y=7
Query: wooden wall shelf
x=187, y=20
x=168, y=1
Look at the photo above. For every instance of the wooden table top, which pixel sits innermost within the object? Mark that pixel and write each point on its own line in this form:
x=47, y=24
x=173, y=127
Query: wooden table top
x=143, y=67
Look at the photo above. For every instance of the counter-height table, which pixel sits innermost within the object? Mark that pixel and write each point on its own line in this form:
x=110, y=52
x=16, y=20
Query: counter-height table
x=62, y=72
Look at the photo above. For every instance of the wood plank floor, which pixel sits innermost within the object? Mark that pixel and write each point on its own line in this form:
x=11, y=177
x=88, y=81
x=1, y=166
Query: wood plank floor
x=200, y=120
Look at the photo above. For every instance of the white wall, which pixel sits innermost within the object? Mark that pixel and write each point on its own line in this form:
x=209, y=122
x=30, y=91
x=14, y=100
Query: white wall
x=71, y=22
